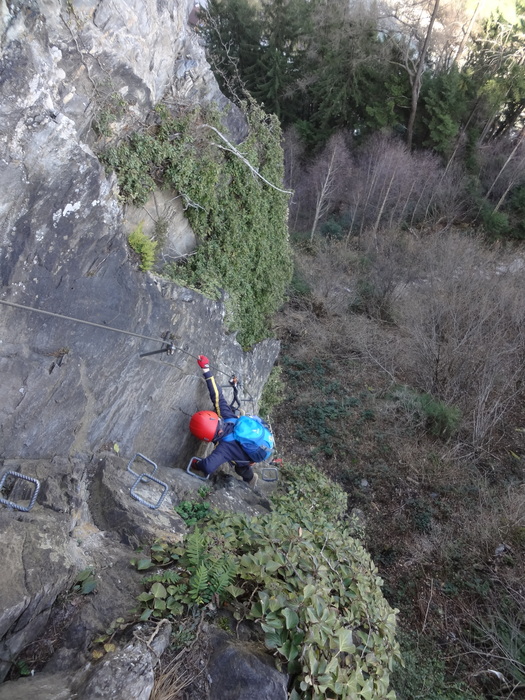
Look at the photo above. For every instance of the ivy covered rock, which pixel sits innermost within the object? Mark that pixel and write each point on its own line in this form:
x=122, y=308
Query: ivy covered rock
x=233, y=199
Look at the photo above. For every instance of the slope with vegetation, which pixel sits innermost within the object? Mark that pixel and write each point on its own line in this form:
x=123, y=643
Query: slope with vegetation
x=403, y=345
x=300, y=574
x=402, y=336
x=402, y=361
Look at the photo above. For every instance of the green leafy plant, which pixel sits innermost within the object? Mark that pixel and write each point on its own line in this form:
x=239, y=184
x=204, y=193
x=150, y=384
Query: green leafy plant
x=204, y=491
x=143, y=246
x=85, y=582
x=305, y=491
x=22, y=668
x=192, y=511
x=103, y=644
x=111, y=108
x=203, y=571
x=300, y=574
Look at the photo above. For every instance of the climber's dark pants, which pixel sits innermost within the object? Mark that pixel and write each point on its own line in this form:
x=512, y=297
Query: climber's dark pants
x=243, y=470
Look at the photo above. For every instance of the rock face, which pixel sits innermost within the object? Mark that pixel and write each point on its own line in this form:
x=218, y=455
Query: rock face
x=72, y=387
x=76, y=314
x=86, y=516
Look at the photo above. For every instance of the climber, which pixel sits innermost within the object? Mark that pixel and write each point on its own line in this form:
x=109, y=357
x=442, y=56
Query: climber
x=218, y=426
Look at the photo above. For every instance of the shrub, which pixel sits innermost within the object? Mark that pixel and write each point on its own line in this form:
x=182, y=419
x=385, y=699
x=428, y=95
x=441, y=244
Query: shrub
x=143, y=246
x=440, y=419
x=495, y=223
x=240, y=222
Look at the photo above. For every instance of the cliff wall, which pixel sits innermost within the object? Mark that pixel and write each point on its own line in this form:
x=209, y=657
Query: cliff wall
x=68, y=387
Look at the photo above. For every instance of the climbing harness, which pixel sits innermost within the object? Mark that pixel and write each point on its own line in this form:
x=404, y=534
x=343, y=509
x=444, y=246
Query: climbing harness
x=144, y=477
x=32, y=500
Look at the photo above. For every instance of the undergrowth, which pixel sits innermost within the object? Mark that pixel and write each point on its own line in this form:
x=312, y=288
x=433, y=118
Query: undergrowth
x=301, y=574
x=443, y=522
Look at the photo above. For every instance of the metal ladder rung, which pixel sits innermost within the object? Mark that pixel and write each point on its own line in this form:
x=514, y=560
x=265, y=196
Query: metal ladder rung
x=188, y=469
x=149, y=461
x=32, y=500
x=144, y=478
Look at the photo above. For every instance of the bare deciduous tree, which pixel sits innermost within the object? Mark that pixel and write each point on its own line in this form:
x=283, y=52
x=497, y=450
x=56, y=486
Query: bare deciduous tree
x=327, y=177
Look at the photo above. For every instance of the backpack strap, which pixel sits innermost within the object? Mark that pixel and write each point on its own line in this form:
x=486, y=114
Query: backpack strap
x=230, y=437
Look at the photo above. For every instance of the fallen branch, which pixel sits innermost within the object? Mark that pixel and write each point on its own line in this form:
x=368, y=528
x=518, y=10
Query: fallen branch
x=231, y=148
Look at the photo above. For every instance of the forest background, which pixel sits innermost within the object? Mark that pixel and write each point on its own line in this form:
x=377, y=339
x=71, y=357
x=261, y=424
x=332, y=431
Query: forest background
x=403, y=334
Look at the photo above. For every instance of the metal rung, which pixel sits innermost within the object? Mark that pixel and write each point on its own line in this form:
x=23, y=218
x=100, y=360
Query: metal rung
x=270, y=469
x=188, y=469
x=138, y=454
x=14, y=505
x=144, y=478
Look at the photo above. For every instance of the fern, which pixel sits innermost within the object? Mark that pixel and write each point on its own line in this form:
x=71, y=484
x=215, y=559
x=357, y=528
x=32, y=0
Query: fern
x=199, y=585
x=222, y=575
x=196, y=548
x=153, y=578
x=170, y=576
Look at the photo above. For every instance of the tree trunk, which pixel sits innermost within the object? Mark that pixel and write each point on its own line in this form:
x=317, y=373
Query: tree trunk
x=322, y=196
x=416, y=82
x=466, y=33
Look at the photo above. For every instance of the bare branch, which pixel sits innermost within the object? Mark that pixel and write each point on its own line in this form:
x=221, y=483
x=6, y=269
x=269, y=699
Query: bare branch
x=231, y=148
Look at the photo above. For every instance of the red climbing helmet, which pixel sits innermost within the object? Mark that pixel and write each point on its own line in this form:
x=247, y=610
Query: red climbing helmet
x=204, y=424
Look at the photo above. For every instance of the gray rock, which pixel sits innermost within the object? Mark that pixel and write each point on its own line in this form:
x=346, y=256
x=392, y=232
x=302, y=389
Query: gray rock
x=45, y=549
x=70, y=387
x=243, y=671
x=127, y=673
x=43, y=687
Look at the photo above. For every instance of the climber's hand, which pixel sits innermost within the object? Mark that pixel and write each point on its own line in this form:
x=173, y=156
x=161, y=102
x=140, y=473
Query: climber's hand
x=203, y=362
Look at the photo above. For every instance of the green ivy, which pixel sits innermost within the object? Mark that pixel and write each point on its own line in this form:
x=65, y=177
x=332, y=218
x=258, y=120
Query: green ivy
x=85, y=582
x=240, y=222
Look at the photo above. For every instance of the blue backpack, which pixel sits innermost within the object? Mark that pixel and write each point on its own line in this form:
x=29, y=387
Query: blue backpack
x=254, y=437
